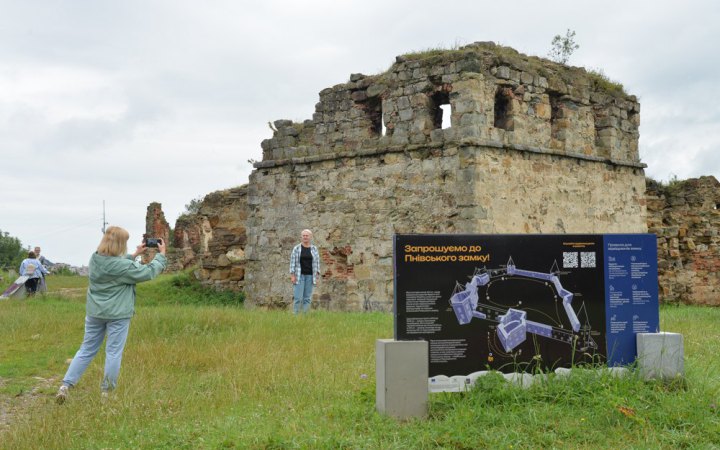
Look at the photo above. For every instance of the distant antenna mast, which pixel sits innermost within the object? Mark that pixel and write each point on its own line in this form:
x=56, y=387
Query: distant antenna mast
x=104, y=223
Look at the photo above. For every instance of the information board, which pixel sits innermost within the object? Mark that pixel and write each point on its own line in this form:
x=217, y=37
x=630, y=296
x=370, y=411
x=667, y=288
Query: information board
x=517, y=303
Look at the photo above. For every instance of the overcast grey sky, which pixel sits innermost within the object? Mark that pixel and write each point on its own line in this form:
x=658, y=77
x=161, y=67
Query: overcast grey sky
x=132, y=101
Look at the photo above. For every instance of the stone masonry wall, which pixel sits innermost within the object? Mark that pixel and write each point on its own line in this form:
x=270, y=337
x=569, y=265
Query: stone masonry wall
x=533, y=147
x=358, y=203
x=213, y=240
x=685, y=216
x=686, y=219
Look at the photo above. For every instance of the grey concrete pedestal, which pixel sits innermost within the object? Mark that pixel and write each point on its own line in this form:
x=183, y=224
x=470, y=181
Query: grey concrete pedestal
x=660, y=355
x=401, y=374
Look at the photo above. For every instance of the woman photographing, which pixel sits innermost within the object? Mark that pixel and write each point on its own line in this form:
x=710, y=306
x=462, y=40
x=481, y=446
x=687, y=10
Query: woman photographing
x=110, y=305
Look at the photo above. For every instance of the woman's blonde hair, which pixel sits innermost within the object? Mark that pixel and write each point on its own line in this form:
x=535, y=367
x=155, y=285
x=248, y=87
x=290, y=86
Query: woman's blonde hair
x=114, y=242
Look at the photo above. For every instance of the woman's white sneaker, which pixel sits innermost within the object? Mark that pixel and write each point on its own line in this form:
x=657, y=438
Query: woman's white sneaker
x=61, y=395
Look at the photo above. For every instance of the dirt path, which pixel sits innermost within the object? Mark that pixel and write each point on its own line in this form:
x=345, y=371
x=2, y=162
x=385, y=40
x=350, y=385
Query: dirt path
x=12, y=407
x=71, y=292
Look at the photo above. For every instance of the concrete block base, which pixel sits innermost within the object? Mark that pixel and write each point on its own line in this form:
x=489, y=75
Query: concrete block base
x=401, y=374
x=660, y=355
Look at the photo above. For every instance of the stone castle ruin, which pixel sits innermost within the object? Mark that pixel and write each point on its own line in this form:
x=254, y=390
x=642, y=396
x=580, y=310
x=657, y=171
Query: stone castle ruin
x=533, y=147
x=685, y=216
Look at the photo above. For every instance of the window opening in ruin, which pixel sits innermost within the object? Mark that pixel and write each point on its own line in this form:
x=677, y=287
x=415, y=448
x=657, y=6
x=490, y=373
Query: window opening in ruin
x=383, y=129
x=503, y=108
x=441, y=110
x=373, y=109
x=633, y=117
x=556, y=113
x=446, y=111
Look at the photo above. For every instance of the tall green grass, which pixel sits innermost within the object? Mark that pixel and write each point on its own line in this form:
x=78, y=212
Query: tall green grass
x=217, y=376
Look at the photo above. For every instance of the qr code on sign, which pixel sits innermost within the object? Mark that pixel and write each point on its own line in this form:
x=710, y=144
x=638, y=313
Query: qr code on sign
x=570, y=260
x=587, y=259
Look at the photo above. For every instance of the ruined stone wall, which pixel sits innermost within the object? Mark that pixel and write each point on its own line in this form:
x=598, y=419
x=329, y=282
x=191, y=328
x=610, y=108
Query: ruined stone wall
x=497, y=96
x=685, y=216
x=213, y=240
x=686, y=219
x=358, y=203
x=189, y=240
x=156, y=225
x=533, y=147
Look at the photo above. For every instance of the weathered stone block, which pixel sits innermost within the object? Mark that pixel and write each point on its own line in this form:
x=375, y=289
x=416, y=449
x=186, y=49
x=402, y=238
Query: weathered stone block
x=464, y=106
x=541, y=82
x=468, y=131
x=406, y=114
x=419, y=73
x=237, y=273
x=437, y=136
x=219, y=274
x=543, y=111
x=472, y=119
x=235, y=255
x=503, y=72
x=401, y=376
x=526, y=78
x=375, y=89
x=418, y=138
x=660, y=355
x=399, y=138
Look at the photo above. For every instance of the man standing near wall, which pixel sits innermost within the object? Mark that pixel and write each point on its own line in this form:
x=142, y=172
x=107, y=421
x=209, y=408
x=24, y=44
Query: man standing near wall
x=304, y=271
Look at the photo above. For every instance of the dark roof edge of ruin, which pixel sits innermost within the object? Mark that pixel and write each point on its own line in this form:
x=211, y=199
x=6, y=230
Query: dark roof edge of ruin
x=468, y=142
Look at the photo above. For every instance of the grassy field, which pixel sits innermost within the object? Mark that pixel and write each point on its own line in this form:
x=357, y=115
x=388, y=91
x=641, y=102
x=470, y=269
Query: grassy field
x=200, y=376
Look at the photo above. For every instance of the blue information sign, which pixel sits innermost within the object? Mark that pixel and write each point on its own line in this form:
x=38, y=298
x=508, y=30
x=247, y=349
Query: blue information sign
x=631, y=292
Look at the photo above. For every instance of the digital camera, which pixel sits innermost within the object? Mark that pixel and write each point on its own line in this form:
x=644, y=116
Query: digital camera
x=152, y=242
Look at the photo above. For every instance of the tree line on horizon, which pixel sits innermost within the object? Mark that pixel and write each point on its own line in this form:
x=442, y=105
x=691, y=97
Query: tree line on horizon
x=11, y=251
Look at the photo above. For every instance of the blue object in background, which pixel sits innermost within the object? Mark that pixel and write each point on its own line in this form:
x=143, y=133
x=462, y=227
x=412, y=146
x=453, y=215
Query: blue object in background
x=631, y=293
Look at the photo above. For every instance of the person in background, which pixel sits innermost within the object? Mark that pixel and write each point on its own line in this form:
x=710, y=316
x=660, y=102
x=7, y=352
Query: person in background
x=43, y=260
x=304, y=271
x=34, y=270
x=42, y=285
x=110, y=304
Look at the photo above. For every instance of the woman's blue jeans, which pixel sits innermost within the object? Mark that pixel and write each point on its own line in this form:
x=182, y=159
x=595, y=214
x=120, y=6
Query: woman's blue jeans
x=302, y=293
x=95, y=331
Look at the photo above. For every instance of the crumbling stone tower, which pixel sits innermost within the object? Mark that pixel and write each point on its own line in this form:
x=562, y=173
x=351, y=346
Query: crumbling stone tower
x=532, y=147
x=155, y=226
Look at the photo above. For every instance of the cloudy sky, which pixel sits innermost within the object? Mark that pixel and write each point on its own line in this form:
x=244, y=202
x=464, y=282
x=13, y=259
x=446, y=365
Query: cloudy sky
x=130, y=102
